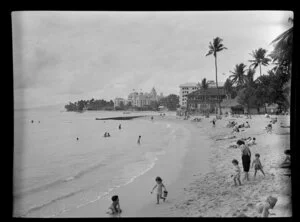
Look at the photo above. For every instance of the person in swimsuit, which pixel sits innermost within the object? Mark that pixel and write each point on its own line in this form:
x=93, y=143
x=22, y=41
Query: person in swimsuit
x=246, y=157
x=237, y=174
x=257, y=165
x=159, y=185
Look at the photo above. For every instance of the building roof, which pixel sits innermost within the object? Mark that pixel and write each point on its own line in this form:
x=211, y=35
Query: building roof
x=208, y=92
x=188, y=84
x=230, y=102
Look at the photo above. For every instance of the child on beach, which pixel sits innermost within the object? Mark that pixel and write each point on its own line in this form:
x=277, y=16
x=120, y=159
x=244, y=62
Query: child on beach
x=159, y=185
x=237, y=174
x=115, y=206
x=269, y=204
x=257, y=165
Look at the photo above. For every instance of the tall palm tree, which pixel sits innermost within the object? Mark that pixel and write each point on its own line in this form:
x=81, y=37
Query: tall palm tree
x=214, y=48
x=260, y=58
x=238, y=75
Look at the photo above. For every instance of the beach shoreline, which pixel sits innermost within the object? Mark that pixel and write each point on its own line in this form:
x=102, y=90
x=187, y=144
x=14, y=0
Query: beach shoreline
x=199, y=184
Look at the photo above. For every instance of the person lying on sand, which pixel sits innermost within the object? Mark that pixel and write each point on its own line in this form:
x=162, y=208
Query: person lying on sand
x=115, y=206
x=251, y=142
x=226, y=137
x=159, y=185
x=237, y=172
x=257, y=165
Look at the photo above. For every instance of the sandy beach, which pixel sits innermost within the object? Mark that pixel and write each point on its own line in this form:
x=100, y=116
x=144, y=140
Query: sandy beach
x=198, y=176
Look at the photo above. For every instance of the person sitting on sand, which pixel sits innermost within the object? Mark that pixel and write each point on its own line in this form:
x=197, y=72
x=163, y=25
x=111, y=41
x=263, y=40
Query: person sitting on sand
x=247, y=125
x=269, y=128
x=108, y=135
x=270, y=203
x=235, y=129
x=214, y=122
x=159, y=185
x=257, y=165
x=287, y=161
x=115, y=206
x=236, y=176
x=246, y=157
x=139, y=139
x=105, y=134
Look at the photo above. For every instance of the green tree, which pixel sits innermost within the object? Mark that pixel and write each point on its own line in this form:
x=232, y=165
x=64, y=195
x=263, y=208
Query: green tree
x=171, y=101
x=238, y=75
x=259, y=59
x=214, y=48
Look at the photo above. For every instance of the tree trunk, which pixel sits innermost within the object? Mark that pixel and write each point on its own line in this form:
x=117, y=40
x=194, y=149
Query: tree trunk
x=217, y=85
x=260, y=69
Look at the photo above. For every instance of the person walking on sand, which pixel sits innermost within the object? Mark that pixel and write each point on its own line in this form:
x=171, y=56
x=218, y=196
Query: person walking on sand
x=246, y=158
x=159, y=185
x=236, y=176
x=120, y=126
x=139, y=139
x=257, y=165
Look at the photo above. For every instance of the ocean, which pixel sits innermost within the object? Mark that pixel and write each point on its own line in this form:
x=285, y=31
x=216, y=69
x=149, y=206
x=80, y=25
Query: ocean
x=55, y=173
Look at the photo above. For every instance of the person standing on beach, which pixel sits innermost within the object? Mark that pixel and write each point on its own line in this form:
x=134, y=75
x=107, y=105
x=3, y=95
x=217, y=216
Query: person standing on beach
x=246, y=158
x=237, y=175
x=257, y=165
x=120, y=126
x=139, y=139
x=159, y=185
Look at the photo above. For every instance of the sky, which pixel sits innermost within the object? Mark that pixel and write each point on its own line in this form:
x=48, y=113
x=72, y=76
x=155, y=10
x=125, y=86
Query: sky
x=63, y=56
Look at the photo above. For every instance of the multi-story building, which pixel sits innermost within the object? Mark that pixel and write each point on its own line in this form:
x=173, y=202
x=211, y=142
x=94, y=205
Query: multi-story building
x=186, y=89
x=143, y=99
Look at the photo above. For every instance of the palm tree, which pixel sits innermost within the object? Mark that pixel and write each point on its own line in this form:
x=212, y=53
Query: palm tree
x=215, y=47
x=260, y=58
x=283, y=48
x=250, y=77
x=238, y=75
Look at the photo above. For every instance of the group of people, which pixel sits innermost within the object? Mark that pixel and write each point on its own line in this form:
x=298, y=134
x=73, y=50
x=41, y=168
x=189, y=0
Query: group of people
x=115, y=209
x=246, y=162
x=106, y=134
x=33, y=121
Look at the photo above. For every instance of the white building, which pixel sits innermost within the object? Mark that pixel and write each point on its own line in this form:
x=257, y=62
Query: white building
x=188, y=88
x=184, y=90
x=143, y=99
x=118, y=101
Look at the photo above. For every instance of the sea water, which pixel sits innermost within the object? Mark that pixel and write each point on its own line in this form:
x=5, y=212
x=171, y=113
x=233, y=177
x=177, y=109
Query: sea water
x=54, y=172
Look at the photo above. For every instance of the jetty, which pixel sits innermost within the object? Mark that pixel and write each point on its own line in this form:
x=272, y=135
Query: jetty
x=119, y=118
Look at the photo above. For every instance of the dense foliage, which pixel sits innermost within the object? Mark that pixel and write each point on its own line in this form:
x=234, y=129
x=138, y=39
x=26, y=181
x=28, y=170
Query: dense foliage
x=92, y=104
